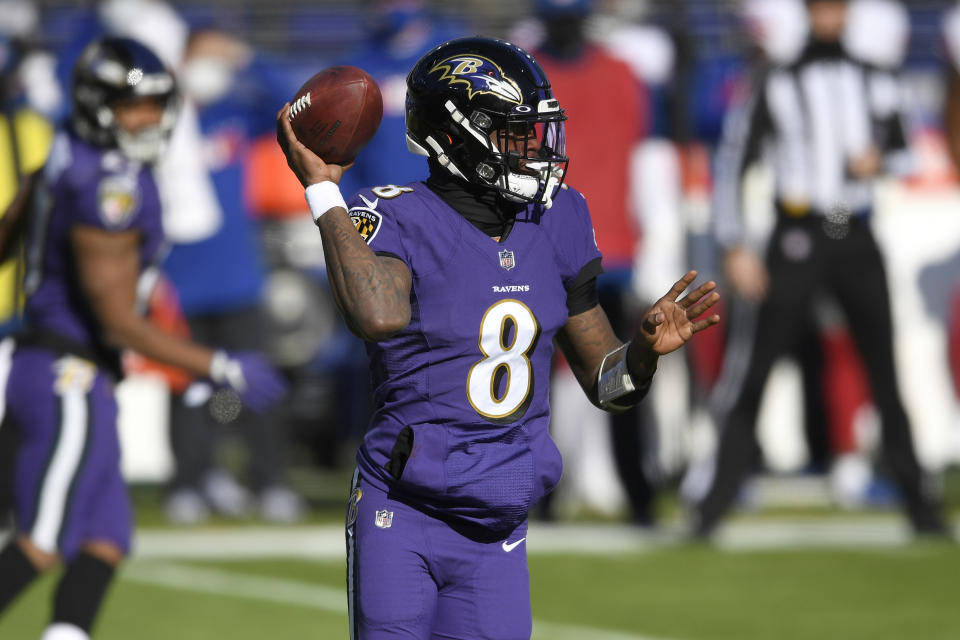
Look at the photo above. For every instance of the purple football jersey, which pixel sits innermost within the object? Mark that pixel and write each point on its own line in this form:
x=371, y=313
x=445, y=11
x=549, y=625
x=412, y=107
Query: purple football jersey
x=83, y=185
x=462, y=404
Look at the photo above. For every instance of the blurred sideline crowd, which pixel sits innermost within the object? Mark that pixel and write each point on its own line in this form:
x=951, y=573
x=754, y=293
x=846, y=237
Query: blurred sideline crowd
x=655, y=109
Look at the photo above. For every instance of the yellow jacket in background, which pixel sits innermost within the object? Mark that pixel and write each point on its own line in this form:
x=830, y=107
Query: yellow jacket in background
x=33, y=137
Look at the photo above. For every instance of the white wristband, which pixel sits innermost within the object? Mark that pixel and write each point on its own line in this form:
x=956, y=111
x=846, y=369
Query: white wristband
x=323, y=196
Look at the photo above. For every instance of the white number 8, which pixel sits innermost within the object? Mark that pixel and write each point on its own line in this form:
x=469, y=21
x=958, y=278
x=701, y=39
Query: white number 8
x=504, y=363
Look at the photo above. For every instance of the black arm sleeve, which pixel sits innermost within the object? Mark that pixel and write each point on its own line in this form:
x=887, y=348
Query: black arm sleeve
x=582, y=291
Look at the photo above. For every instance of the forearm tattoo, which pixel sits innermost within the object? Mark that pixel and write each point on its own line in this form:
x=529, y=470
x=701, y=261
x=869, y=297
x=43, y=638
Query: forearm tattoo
x=366, y=287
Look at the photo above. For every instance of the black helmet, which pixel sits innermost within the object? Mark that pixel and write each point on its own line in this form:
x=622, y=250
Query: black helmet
x=462, y=91
x=112, y=70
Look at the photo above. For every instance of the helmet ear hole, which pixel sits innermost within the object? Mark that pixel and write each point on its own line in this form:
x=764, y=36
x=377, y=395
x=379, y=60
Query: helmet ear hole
x=481, y=120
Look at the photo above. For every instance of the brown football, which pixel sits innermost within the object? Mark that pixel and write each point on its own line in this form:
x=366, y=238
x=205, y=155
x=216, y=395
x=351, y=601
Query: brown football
x=336, y=112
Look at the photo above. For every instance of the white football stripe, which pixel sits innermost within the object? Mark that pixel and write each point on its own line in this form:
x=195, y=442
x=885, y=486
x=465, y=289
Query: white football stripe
x=63, y=467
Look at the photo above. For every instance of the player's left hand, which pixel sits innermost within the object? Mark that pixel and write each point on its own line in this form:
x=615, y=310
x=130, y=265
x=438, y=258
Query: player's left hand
x=254, y=380
x=670, y=323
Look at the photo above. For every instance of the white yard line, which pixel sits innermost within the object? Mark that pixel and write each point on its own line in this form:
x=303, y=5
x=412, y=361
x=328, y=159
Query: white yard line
x=325, y=542
x=238, y=585
x=296, y=593
x=833, y=533
x=543, y=630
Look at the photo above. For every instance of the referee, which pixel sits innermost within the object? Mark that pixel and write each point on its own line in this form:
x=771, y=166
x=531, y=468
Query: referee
x=824, y=122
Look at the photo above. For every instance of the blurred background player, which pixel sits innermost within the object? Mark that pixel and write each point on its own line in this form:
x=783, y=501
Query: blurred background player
x=573, y=63
x=836, y=408
x=829, y=119
x=202, y=179
x=219, y=274
x=95, y=233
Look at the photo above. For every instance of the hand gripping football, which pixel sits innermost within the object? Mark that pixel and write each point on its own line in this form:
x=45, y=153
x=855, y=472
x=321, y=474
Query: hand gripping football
x=336, y=112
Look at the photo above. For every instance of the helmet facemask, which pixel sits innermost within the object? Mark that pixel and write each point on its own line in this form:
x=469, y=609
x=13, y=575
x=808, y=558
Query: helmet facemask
x=533, y=161
x=522, y=154
x=148, y=143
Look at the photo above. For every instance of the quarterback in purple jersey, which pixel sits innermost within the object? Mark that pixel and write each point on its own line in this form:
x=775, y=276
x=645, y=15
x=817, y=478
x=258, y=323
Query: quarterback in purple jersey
x=461, y=285
x=92, y=218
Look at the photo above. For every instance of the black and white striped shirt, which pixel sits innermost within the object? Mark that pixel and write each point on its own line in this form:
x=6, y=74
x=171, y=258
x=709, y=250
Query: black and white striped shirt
x=809, y=119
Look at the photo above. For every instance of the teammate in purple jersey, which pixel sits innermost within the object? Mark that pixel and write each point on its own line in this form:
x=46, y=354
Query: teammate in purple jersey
x=94, y=230
x=461, y=284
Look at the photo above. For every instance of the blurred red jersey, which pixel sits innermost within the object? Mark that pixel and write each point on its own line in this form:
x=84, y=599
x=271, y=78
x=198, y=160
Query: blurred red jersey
x=607, y=109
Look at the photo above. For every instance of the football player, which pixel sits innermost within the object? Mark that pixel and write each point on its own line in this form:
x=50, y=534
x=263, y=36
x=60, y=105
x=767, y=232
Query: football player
x=94, y=230
x=460, y=284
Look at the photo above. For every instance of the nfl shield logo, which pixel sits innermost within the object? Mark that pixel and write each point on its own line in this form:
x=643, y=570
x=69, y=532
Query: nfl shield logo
x=506, y=259
x=384, y=519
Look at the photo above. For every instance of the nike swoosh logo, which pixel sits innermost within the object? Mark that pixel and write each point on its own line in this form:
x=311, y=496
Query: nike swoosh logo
x=510, y=546
x=371, y=205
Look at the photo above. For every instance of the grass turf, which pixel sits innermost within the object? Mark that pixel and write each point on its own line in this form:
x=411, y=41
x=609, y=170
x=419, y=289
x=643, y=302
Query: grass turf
x=673, y=593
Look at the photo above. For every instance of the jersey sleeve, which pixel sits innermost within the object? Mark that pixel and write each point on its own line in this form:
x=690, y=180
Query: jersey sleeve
x=577, y=239
x=377, y=223
x=111, y=201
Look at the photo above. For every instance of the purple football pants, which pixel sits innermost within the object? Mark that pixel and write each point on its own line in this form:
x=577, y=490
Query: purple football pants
x=413, y=576
x=68, y=489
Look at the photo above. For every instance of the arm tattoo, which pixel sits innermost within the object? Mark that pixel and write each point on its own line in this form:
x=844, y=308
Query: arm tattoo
x=585, y=340
x=371, y=292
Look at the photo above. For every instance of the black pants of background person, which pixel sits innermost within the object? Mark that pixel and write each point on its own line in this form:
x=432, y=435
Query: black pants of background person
x=631, y=433
x=808, y=256
x=808, y=354
x=8, y=448
x=195, y=434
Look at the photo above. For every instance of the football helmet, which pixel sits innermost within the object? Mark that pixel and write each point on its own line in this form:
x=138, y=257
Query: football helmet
x=483, y=109
x=112, y=70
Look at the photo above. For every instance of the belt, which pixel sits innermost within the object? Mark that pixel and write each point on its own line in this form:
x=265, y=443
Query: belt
x=61, y=345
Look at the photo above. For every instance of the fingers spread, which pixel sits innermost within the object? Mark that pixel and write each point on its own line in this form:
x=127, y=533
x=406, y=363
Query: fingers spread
x=696, y=294
x=700, y=325
x=680, y=286
x=704, y=304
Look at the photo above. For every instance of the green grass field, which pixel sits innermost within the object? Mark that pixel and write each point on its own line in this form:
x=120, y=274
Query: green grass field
x=661, y=591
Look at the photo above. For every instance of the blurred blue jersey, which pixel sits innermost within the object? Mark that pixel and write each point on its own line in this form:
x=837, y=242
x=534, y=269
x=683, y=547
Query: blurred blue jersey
x=225, y=271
